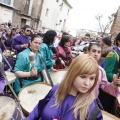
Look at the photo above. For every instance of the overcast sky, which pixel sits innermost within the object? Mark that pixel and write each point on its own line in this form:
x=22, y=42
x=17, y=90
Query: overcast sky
x=82, y=16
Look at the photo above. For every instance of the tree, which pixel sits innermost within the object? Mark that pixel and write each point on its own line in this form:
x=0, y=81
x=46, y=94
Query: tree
x=104, y=28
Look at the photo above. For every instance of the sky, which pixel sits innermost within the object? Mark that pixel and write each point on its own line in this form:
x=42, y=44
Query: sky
x=82, y=16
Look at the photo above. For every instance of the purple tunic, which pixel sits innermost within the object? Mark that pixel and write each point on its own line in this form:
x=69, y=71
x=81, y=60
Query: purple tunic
x=7, y=42
x=45, y=111
x=2, y=83
x=6, y=66
x=18, y=41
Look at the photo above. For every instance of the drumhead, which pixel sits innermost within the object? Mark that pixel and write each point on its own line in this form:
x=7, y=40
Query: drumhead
x=58, y=76
x=7, y=107
x=30, y=95
x=10, y=76
x=108, y=116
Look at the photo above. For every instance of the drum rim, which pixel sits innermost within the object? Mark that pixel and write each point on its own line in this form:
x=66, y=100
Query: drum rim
x=110, y=115
x=12, y=73
x=13, y=97
x=26, y=112
x=8, y=95
x=59, y=70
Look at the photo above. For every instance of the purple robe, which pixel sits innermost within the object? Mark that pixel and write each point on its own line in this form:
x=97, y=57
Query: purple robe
x=6, y=66
x=18, y=41
x=8, y=42
x=2, y=83
x=45, y=111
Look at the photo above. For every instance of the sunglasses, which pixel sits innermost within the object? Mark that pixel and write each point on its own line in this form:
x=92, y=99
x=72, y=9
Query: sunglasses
x=28, y=30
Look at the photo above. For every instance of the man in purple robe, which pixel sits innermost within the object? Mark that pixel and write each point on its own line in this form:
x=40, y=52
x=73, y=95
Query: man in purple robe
x=21, y=42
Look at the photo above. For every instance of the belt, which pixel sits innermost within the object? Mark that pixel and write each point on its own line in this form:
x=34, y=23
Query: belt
x=30, y=78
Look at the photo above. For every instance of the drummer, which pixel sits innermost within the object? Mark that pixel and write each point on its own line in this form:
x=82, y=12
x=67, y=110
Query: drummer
x=63, y=54
x=47, y=49
x=7, y=54
x=25, y=72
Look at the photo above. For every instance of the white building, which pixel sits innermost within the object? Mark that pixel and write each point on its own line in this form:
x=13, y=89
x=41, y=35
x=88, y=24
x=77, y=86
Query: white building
x=54, y=15
x=41, y=14
x=6, y=10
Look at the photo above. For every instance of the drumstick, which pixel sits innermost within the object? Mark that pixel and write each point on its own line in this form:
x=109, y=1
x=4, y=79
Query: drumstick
x=45, y=76
x=43, y=63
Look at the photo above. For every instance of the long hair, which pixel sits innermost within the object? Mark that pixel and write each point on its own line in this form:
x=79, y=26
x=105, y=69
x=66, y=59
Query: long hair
x=49, y=37
x=83, y=64
x=64, y=39
x=8, y=35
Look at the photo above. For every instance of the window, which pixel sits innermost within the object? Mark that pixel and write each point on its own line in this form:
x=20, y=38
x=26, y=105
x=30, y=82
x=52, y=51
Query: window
x=7, y=2
x=47, y=10
x=61, y=6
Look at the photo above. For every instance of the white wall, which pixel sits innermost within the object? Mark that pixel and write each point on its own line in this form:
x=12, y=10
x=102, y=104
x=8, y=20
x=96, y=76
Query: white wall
x=5, y=14
x=54, y=14
x=30, y=7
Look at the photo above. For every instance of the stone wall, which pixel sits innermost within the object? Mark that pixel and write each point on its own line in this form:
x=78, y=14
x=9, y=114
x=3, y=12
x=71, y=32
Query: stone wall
x=115, y=29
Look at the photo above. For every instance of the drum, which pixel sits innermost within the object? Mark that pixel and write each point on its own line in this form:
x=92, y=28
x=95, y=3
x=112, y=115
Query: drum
x=58, y=76
x=30, y=95
x=10, y=76
x=9, y=109
x=108, y=116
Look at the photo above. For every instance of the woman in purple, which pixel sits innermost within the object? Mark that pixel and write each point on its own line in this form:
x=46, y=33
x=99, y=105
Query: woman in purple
x=73, y=98
x=7, y=39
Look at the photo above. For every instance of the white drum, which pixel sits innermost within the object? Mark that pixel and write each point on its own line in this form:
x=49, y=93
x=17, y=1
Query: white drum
x=10, y=76
x=108, y=116
x=30, y=95
x=9, y=109
x=58, y=76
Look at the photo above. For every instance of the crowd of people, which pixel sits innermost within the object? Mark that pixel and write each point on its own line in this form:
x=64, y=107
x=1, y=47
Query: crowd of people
x=95, y=68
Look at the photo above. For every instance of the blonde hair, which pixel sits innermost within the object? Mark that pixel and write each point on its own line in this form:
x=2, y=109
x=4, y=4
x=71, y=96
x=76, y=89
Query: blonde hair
x=83, y=64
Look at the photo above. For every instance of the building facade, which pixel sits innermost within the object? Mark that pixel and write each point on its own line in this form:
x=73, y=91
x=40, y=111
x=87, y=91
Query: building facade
x=26, y=12
x=115, y=28
x=20, y=12
x=6, y=10
x=54, y=15
x=41, y=14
